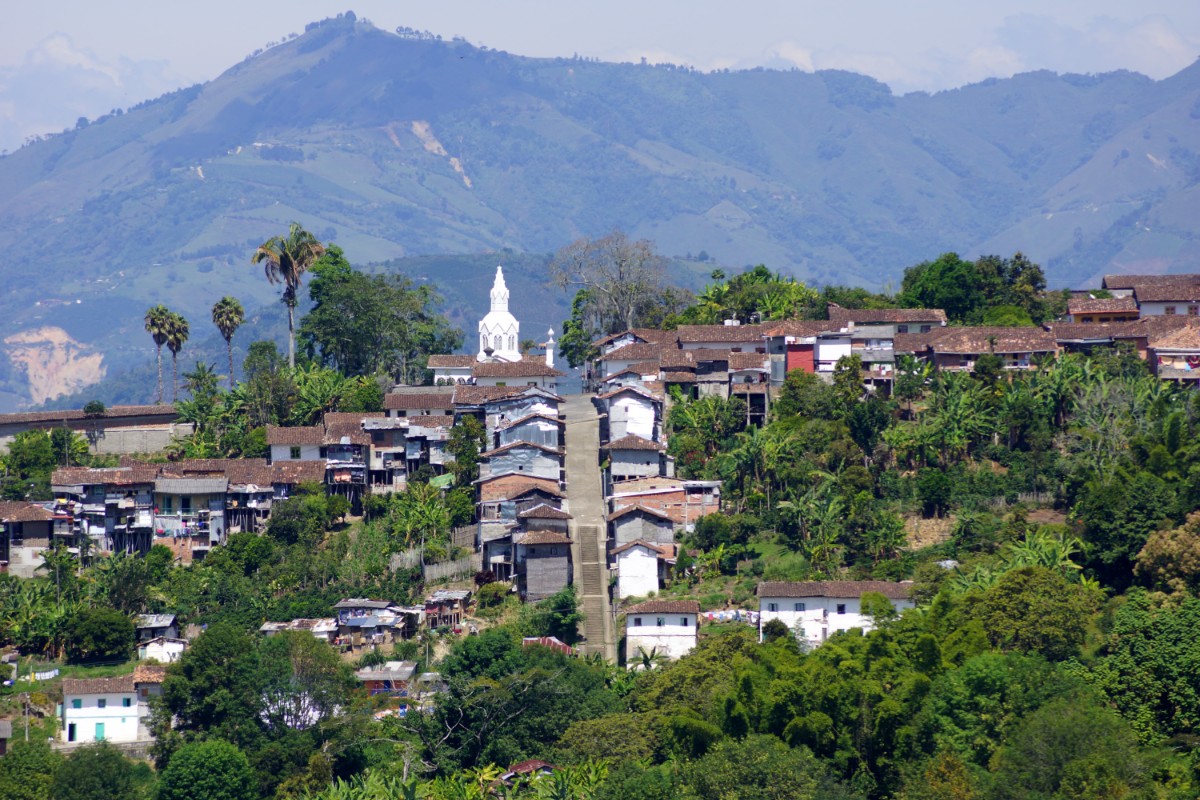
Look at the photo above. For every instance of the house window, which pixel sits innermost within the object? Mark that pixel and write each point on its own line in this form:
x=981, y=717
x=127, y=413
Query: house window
x=1193, y=311
x=1169, y=310
x=102, y=702
x=841, y=608
x=637, y=622
x=295, y=453
x=926, y=328
x=126, y=702
x=76, y=703
x=684, y=622
x=904, y=329
x=772, y=606
x=660, y=621
x=798, y=607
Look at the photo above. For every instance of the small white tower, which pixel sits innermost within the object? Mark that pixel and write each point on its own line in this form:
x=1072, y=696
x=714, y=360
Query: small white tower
x=550, y=349
x=499, y=330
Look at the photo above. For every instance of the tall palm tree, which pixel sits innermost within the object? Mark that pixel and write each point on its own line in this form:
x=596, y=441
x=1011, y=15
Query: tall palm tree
x=228, y=315
x=287, y=259
x=156, y=325
x=177, y=334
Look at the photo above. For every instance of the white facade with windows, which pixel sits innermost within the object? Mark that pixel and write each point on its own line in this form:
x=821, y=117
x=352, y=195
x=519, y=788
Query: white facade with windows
x=664, y=627
x=816, y=610
x=499, y=330
x=100, y=709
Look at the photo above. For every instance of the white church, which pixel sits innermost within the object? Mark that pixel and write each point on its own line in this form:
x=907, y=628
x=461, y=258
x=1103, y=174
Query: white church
x=499, y=361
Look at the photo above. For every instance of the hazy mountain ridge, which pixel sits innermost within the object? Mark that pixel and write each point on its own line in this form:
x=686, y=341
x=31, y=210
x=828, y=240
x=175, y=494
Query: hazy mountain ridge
x=394, y=146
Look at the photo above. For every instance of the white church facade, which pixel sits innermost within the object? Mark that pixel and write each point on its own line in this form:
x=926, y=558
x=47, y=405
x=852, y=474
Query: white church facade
x=498, y=361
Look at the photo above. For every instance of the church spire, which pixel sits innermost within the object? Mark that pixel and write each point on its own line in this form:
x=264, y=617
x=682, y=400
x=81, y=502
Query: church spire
x=499, y=291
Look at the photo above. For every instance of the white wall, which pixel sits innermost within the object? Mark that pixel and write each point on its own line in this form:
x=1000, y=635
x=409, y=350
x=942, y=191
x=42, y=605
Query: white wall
x=634, y=464
x=820, y=618
x=675, y=638
x=829, y=352
x=1160, y=309
x=120, y=722
x=162, y=652
x=631, y=414
x=283, y=452
x=637, y=573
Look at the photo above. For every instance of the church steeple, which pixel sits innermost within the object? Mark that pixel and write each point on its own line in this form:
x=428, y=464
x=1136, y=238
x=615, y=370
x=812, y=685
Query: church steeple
x=499, y=331
x=499, y=291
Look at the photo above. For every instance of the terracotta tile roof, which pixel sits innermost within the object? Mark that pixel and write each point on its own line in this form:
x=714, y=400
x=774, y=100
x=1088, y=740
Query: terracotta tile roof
x=351, y=431
x=1163, y=292
x=122, y=684
x=1186, y=337
x=802, y=328
x=492, y=491
x=633, y=442
x=149, y=673
x=639, y=351
x=1155, y=325
x=638, y=508
x=665, y=607
x=431, y=421
x=451, y=361
x=111, y=476
x=1101, y=305
x=845, y=589
x=432, y=399
x=292, y=437
x=679, y=377
x=739, y=361
x=167, y=412
x=532, y=765
x=478, y=395
x=969, y=341
x=544, y=511
x=1079, y=331
x=1130, y=281
x=529, y=368
x=543, y=537
x=638, y=390
x=239, y=471
x=355, y=417
x=293, y=473
x=885, y=316
x=645, y=334
x=694, y=334
x=21, y=511
x=637, y=543
x=676, y=359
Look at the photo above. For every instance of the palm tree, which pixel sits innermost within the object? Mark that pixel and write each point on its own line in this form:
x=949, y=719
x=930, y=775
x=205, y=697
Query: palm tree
x=156, y=325
x=228, y=315
x=287, y=259
x=177, y=334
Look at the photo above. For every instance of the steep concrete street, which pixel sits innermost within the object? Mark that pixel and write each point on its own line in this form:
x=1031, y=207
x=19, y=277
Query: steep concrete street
x=586, y=502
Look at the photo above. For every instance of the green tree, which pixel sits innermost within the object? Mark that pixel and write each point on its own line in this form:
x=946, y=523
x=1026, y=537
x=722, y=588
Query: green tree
x=27, y=770
x=305, y=681
x=269, y=387
x=468, y=439
x=98, y=634
x=228, y=315
x=95, y=772
x=285, y=260
x=177, y=336
x=211, y=770
x=949, y=283
x=158, y=325
x=215, y=690
x=759, y=768
x=1033, y=609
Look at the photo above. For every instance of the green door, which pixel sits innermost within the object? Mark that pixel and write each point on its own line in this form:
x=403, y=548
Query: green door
x=99, y=731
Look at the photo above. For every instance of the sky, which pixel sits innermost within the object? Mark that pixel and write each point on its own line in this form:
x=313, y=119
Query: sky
x=65, y=59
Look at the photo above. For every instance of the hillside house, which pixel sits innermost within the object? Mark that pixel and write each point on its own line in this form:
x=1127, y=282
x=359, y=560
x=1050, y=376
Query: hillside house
x=323, y=628
x=732, y=336
x=683, y=501
x=162, y=649
x=957, y=349
x=110, y=709
x=391, y=678
x=633, y=411
x=302, y=443
x=542, y=429
x=155, y=626
x=1083, y=308
x=664, y=627
x=543, y=563
x=449, y=370
x=118, y=430
x=637, y=522
x=642, y=568
x=416, y=401
x=189, y=514
x=523, y=458
x=1175, y=355
x=792, y=345
x=26, y=534
x=1178, y=298
x=446, y=608
x=632, y=457
x=815, y=610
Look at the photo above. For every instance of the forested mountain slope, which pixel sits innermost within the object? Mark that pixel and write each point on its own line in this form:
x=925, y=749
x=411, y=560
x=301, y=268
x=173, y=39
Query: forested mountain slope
x=398, y=146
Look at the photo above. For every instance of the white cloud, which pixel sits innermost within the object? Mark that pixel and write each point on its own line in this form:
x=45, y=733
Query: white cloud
x=79, y=83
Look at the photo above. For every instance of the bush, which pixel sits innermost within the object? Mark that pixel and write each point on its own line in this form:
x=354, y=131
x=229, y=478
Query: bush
x=492, y=594
x=99, y=634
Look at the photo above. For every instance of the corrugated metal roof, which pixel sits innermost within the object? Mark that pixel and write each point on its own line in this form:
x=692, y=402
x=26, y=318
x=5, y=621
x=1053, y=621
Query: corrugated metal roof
x=191, y=485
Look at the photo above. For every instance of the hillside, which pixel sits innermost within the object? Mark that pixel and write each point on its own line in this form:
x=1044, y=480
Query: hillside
x=397, y=147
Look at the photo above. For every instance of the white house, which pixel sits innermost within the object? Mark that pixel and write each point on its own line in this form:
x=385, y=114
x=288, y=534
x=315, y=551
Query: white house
x=296, y=444
x=632, y=411
x=815, y=610
x=162, y=649
x=522, y=457
x=110, y=709
x=666, y=627
x=639, y=565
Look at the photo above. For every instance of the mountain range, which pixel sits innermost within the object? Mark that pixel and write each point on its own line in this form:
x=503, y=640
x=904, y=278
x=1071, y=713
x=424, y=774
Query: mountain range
x=440, y=159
